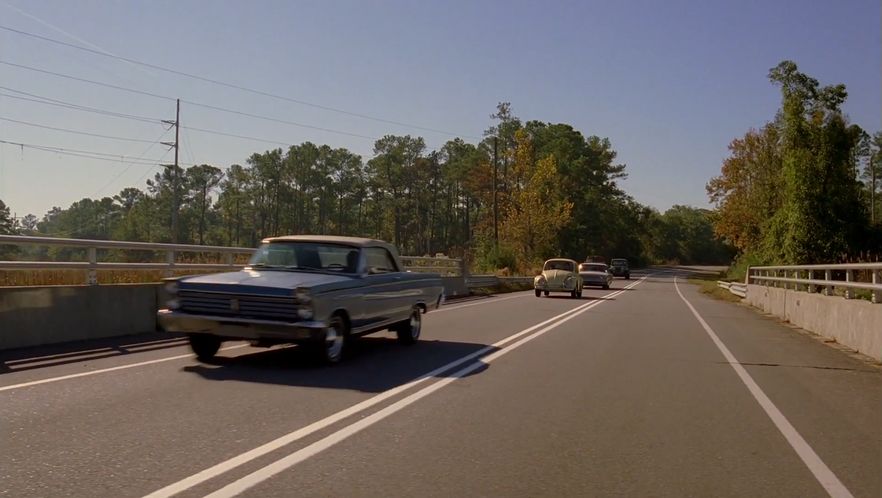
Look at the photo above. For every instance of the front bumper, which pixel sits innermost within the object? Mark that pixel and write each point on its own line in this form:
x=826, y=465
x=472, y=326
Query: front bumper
x=239, y=328
x=555, y=287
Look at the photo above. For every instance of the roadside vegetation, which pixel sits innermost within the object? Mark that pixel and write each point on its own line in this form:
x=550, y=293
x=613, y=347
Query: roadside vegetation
x=804, y=188
x=800, y=189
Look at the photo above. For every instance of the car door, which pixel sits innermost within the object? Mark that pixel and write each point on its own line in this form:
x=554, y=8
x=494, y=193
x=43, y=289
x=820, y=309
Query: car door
x=383, y=298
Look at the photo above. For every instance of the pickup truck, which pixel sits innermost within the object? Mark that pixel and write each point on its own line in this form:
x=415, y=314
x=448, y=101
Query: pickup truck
x=316, y=291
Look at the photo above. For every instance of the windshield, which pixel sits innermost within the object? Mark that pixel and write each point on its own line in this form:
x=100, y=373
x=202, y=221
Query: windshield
x=307, y=256
x=620, y=262
x=592, y=267
x=559, y=264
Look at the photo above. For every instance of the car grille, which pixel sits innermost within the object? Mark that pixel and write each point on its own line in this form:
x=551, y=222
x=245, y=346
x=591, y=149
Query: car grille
x=238, y=305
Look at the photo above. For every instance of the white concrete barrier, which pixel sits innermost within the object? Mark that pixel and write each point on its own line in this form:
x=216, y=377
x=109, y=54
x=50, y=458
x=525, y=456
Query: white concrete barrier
x=852, y=322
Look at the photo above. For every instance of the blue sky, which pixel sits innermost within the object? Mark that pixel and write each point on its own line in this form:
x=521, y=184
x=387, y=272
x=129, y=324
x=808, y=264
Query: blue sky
x=670, y=83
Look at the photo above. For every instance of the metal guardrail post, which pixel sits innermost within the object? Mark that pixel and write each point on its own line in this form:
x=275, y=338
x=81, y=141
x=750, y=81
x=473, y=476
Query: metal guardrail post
x=849, y=277
x=228, y=258
x=92, y=272
x=876, y=296
x=170, y=259
x=828, y=275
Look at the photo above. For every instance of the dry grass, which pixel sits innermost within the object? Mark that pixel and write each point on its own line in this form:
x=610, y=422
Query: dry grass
x=21, y=278
x=707, y=284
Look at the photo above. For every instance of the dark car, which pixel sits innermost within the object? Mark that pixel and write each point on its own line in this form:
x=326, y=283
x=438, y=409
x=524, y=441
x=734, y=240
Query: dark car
x=619, y=268
x=317, y=291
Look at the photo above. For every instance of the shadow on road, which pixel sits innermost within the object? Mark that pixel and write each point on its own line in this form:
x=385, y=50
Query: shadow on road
x=18, y=360
x=375, y=364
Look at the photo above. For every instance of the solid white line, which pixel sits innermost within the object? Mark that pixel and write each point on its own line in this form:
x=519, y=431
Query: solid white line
x=105, y=370
x=488, y=301
x=822, y=473
x=178, y=357
x=225, y=466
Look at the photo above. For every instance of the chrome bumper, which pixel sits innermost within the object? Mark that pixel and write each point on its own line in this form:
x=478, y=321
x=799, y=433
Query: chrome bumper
x=555, y=287
x=238, y=328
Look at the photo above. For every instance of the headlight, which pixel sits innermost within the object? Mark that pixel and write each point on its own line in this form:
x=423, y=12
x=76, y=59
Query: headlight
x=302, y=296
x=173, y=304
x=171, y=287
x=304, y=312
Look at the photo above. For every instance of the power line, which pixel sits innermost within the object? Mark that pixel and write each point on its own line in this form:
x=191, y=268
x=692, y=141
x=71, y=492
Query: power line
x=100, y=156
x=127, y=168
x=68, y=105
x=207, y=106
x=234, y=86
x=66, y=130
x=84, y=80
x=277, y=120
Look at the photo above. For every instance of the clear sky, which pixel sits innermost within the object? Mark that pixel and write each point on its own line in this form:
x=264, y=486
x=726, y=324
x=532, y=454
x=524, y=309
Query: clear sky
x=670, y=83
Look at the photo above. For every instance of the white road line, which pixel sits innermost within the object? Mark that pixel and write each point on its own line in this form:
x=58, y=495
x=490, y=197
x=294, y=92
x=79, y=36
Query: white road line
x=291, y=437
x=313, y=449
x=178, y=357
x=105, y=370
x=488, y=301
x=822, y=473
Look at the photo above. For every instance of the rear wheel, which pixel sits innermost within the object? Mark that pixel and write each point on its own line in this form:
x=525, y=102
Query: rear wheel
x=409, y=332
x=204, y=346
x=546, y=293
x=605, y=286
x=579, y=294
x=538, y=292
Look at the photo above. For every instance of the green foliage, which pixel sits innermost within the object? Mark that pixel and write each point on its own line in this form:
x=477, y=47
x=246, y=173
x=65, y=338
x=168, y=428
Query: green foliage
x=556, y=194
x=791, y=194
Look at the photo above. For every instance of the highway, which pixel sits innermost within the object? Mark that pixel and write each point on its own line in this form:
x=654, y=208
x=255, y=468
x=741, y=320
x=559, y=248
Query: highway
x=647, y=389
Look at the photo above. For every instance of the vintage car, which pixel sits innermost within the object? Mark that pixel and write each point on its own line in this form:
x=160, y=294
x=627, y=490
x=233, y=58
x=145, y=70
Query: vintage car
x=558, y=275
x=316, y=291
x=595, y=274
x=619, y=268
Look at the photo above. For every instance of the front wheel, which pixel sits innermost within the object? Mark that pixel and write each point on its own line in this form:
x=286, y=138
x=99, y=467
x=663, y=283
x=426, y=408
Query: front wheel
x=409, y=331
x=204, y=346
x=605, y=286
x=332, y=344
x=538, y=292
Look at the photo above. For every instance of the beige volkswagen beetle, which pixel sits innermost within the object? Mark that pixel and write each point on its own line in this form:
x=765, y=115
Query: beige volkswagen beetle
x=559, y=275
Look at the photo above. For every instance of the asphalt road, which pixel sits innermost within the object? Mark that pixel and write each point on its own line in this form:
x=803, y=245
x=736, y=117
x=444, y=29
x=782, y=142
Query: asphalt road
x=634, y=391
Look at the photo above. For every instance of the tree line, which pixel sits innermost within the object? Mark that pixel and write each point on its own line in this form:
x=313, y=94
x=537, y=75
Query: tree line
x=805, y=187
x=527, y=191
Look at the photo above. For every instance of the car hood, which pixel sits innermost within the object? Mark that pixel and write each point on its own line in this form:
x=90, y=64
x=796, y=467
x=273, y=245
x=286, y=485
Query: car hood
x=261, y=281
x=556, y=275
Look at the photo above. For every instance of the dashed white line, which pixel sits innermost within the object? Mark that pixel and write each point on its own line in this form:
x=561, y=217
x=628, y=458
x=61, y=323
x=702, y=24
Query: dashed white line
x=495, y=351
x=818, y=468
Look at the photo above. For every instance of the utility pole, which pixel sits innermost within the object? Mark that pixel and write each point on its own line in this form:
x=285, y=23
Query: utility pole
x=495, y=205
x=174, y=214
x=873, y=189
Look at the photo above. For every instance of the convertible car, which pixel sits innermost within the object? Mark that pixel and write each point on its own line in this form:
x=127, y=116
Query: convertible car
x=559, y=275
x=316, y=291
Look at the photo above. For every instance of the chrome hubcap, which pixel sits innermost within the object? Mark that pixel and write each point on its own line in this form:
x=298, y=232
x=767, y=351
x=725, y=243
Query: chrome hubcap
x=334, y=341
x=416, y=322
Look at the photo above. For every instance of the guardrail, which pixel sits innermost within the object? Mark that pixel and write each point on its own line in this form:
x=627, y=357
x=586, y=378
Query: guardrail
x=804, y=278
x=739, y=290
x=447, y=267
